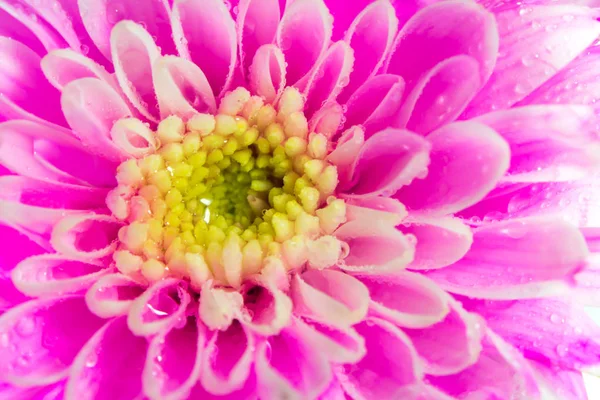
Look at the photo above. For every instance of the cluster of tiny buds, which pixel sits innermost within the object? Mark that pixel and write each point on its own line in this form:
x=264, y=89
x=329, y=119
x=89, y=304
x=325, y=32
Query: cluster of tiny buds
x=225, y=196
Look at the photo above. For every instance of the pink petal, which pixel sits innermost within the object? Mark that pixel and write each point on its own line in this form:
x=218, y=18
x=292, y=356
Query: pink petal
x=91, y=107
x=382, y=209
x=519, y=258
x=134, y=137
x=339, y=344
x=390, y=364
x=267, y=309
x=159, y=308
x=227, y=360
x=86, y=236
x=456, y=148
x=441, y=241
x=534, y=45
x=343, y=157
x=99, y=17
x=376, y=103
x=133, y=53
x=371, y=36
x=565, y=384
x=204, y=33
x=441, y=95
x=303, y=36
x=330, y=297
x=287, y=367
x=407, y=299
x=173, y=361
x=38, y=339
x=345, y=14
x=181, y=88
x=267, y=72
x=248, y=392
x=374, y=247
x=21, y=75
x=327, y=119
x=65, y=65
x=450, y=345
x=388, y=160
x=109, y=366
x=112, y=295
x=55, y=274
x=329, y=76
x=257, y=22
x=548, y=142
x=446, y=29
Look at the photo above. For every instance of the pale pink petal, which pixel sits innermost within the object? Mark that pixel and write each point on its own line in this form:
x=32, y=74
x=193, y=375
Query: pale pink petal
x=49, y=274
x=267, y=72
x=134, y=137
x=248, y=392
x=303, y=35
x=371, y=36
x=159, y=308
x=376, y=209
x=450, y=345
x=38, y=339
x=329, y=77
x=390, y=364
x=339, y=344
x=520, y=258
x=267, y=309
x=445, y=29
x=173, y=361
x=343, y=157
x=227, y=360
x=204, y=33
x=327, y=120
x=547, y=142
x=181, y=88
x=112, y=295
x=65, y=65
x=407, y=299
x=563, y=383
x=86, y=236
x=441, y=95
x=99, y=17
x=133, y=53
x=330, y=297
x=534, y=45
x=257, y=22
x=389, y=160
x=287, y=367
x=109, y=366
x=456, y=148
x=376, y=103
x=441, y=241
x=374, y=248
x=91, y=107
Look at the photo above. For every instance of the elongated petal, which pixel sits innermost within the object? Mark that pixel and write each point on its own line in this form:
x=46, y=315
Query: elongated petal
x=65, y=65
x=267, y=72
x=86, y=236
x=384, y=209
x=112, y=295
x=343, y=157
x=340, y=345
x=267, y=309
x=566, y=384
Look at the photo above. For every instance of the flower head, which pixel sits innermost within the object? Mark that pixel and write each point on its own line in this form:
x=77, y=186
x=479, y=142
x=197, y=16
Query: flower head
x=298, y=199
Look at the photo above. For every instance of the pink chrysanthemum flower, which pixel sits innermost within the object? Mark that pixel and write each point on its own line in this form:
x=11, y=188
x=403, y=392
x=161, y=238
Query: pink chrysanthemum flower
x=296, y=199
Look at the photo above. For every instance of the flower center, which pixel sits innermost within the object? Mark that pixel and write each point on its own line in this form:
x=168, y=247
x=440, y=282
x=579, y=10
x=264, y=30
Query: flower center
x=221, y=194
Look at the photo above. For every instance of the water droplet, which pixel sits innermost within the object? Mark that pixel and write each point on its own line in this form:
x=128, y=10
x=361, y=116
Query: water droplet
x=114, y=12
x=24, y=360
x=25, y=326
x=4, y=339
x=92, y=360
x=554, y=318
x=562, y=350
x=84, y=49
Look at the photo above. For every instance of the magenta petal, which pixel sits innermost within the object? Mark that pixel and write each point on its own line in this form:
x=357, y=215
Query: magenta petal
x=287, y=367
x=383, y=209
x=565, y=384
x=387, y=161
x=441, y=95
x=181, y=88
x=257, y=22
x=109, y=366
x=112, y=295
x=227, y=359
x=328, y=78
x=303, y=35
x=38, y=339
x=204, y=33
x=450, y=345
x=445, y=29
x=173, y=361
x=339, y=344
x=456, y=148
x=327, y=120
x=407, y=299
x=91, y=107
x=267, y=73
x=86, y=236
x=330, y=297
x=49, y=274
x=371, y=36
x=390, y=364
x=376, y=103
x=520, y=258
x=133, y=53
x=65, y=65
x=267, y=309
x=534, y=45
x=344, y=155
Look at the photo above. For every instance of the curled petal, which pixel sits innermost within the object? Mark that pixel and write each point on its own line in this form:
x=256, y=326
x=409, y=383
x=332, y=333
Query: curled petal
x=340, y=345
x=218, y=307
x=267, y=309
x=85, y=236
x=327, y=119
x=65, y=65
x=112, y=295
x=133, y=136
x=564, y=383
x=383, y=209
x=267, y=73
x=344, y=155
